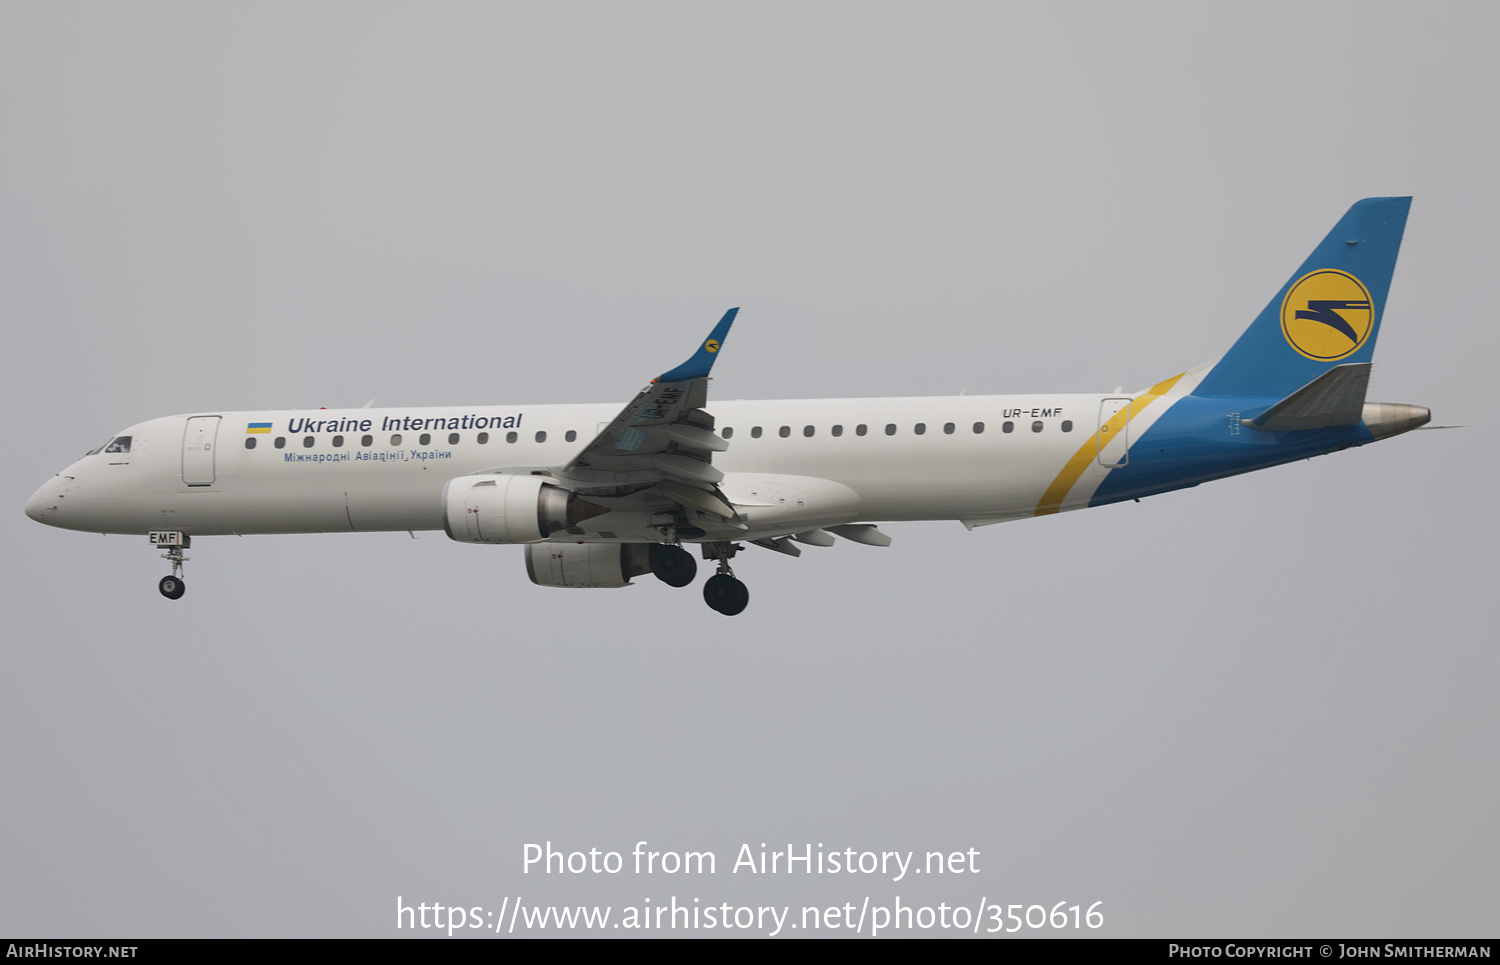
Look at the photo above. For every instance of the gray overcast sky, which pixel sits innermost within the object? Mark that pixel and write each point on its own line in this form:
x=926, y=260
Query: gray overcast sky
x=1260, y=707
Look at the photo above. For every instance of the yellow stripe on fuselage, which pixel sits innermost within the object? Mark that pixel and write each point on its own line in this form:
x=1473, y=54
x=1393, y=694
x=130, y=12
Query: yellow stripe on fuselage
x=1052, y=499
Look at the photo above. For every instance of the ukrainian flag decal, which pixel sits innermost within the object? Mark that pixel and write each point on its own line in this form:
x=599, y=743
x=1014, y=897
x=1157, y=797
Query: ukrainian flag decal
x=258, y=427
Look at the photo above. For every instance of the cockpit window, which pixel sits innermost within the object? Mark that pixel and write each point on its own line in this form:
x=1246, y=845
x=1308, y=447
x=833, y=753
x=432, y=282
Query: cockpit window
x=118, y=444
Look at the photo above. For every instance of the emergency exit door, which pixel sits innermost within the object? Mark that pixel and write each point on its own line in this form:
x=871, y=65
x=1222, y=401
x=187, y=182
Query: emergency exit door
x=198, y=450
x=1114, y=433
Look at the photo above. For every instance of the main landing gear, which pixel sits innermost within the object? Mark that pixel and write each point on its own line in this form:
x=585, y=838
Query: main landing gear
x=723, y=592
x=675, y=566
x=726, y=594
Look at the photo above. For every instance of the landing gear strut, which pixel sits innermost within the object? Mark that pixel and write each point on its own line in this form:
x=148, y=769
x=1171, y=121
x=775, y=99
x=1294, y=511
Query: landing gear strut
x=723, y=592
x=673, y=565
x=172, y=587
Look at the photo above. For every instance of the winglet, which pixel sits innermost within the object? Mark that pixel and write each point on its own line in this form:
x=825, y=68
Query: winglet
x=702, y=361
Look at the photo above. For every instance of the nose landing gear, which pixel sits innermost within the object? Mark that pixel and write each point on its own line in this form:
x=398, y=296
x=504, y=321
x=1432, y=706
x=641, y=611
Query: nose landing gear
x=172, y=587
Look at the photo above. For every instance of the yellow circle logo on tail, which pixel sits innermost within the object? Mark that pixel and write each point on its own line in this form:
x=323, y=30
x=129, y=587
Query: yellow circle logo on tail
x=712, y=345
x=1327, y=315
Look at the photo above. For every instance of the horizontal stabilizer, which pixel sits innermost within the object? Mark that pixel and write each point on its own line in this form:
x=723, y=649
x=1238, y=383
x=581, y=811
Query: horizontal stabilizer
x=1335, y=398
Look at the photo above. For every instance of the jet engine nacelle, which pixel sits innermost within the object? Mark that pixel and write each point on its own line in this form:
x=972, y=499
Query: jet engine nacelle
x=586, y=564
x=497, y=508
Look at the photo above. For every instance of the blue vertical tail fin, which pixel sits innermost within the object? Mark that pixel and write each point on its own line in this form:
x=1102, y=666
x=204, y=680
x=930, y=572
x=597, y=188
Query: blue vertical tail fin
x=1326, y=315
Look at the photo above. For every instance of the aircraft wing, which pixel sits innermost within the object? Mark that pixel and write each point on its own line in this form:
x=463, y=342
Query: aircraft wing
x=663, y=439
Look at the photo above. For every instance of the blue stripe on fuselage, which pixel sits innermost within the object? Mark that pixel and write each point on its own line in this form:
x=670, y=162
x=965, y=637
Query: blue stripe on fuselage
x=1195, y=441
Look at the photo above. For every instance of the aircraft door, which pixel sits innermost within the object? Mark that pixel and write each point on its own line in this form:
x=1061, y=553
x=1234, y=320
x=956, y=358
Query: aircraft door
x=1114, y=433
x=198, y=450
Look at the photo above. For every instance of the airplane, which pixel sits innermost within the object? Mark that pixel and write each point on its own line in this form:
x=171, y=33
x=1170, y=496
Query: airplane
x=598, y=495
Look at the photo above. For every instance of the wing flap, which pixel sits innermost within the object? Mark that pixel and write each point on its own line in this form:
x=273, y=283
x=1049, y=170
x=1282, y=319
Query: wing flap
x=686, y=467
x=664, y=437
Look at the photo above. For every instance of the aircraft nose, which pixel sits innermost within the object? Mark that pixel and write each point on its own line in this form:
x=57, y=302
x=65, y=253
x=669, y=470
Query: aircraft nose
x=43, y=503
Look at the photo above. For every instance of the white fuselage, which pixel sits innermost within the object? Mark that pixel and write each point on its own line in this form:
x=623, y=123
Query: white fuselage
x=358, y=470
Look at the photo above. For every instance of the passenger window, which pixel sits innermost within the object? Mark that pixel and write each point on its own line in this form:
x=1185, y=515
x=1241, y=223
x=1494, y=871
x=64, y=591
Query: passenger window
x=1036, y=426
x=919, y=428
x=785, y=431
x=861, y=429
x=483, y=438
x=367, y=441
x=947, y=428
x=511, y=437
x=338, y=442
x=120, y=444
x=570, y=436
x=424, y=439
x=280, y=442
x=452, y=438
x=541, y=436
x=808, y=431
x=249, y=442
x=728, y=432
x=1067, y=425
x=396, y=439
x=890, y=429
x=755, y=433
x=837, y=431
x=1008, y=427
x=978, y=428
x=307, y=442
